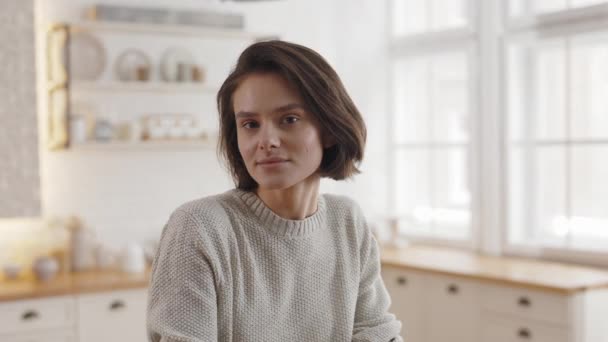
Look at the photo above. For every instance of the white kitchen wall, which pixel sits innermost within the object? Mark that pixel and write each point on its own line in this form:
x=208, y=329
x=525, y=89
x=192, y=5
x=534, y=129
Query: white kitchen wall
x=128, y=194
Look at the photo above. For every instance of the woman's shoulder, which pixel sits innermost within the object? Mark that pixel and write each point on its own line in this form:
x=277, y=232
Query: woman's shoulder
x=341, y=202
x=211, y=209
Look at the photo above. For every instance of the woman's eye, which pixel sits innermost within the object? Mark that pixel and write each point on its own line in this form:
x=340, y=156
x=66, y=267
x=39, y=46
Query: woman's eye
x=249, y=124
x=291, y=119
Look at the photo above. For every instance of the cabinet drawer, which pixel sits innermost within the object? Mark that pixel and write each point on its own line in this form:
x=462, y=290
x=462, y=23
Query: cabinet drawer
x=498, y=328
x=43, y=336
x=403, y=280
x=37, y=314
x=542, y=306
x=113, y=316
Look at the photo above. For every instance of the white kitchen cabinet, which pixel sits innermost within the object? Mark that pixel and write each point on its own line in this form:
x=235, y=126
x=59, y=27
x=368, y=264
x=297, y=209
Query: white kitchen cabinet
x=407, y=290
x=117, y=316
x=32, y=319
x=456, y=308
x=452, y=309
x=433, y=308
x=498, y=328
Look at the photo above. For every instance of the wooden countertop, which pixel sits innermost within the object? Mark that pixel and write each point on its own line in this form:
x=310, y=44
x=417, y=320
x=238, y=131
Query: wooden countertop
x=540, y=275
x=72, y=284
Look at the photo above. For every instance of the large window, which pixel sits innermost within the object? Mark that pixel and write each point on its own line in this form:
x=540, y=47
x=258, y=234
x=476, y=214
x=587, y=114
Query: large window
x=432, y=110
x=557, y=91
x=548, y=92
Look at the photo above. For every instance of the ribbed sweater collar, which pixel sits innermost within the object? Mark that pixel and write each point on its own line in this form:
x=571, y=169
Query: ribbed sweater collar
x=281, y=226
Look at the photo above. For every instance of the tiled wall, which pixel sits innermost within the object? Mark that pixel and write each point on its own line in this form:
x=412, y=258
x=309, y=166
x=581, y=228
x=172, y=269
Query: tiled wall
x=19, y=170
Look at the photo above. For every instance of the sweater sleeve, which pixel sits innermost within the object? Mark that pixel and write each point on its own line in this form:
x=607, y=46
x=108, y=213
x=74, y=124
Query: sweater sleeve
x=182, y=304
x=373, y=322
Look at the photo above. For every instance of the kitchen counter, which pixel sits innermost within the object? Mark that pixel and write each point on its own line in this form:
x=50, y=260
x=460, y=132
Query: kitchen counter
x=540, y=275
x=72, y=283
x=547, y=276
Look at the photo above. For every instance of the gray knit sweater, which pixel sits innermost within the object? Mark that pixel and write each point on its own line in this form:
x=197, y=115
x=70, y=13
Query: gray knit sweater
x=230, y=269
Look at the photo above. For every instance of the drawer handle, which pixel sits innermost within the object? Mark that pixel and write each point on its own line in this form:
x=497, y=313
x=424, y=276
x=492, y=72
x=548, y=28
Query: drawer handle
x=524, y=333
x=117, y=305
x=402, y=280
x=453, y=289
x=29, y=315
x=524, y=301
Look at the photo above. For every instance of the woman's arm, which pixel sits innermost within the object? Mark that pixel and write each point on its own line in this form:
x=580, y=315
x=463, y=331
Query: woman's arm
x=182, y=303
x=373, y=322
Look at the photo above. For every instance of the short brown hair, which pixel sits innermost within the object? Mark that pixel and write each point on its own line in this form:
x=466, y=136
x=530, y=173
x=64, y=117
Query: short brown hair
x=323, y=93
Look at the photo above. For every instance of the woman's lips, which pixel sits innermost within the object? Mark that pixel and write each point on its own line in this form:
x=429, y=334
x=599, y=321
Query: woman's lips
x=272, y=163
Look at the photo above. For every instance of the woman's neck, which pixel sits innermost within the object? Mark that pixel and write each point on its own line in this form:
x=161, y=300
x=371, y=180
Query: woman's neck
x=294, y=203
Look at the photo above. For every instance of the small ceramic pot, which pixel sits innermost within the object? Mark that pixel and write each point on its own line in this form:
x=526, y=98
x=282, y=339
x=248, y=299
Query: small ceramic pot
x=45, y=268
x=12, y=271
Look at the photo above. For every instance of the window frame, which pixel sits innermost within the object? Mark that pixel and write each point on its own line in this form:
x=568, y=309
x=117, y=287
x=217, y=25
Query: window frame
x=490, y=31
x=463, y=39
x=534, y=29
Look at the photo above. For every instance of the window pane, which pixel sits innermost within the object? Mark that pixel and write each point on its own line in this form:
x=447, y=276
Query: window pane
x=537, y=91
x=411, y=101
x=418, y=16
x=448, y=14
x=537, y=195
x=581, y=3
x=551, y=91
x=528, y=7
x=449, y=97
x=432, y=88
x=549, y=187
x=589, y=87
x=409, y=16
x=412, y=190
x=519, y=92
x=450, y=213
x=541, y=6
x=589, y=218
x=519, y=213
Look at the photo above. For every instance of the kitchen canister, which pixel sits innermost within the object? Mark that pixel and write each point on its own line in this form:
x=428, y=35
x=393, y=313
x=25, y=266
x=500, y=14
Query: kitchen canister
x=133, y=258
x=82, y=245
x=105, y=256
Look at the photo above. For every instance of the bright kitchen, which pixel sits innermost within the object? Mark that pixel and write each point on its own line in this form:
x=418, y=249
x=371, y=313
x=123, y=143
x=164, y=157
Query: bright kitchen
x=482, y=181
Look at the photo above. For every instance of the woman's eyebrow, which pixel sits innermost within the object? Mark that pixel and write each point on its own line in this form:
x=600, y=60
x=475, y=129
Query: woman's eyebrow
x=290, y=106
x=244, y=114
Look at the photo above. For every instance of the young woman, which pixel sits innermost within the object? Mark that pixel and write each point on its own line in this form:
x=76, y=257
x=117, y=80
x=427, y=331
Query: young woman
x=272, y=259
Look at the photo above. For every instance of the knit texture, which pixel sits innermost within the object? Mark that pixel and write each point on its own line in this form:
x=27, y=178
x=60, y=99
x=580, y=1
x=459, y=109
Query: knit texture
x=229, y=269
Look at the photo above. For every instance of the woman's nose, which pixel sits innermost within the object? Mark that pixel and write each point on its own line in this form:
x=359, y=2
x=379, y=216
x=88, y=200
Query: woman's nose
x=269, y=137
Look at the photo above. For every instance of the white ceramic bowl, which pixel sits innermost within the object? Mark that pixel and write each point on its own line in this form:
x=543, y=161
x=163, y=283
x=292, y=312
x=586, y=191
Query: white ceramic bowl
x=12, y=271
x=45, y=268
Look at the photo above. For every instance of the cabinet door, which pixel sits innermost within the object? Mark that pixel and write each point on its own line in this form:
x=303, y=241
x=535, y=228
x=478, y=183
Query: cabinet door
x=453, y=310
x=406, y=289
x=118, y=316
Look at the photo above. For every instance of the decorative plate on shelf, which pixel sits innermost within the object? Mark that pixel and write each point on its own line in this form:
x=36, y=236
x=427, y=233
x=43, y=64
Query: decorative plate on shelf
x=133, y=64
x=176, y=65
x=87, y=56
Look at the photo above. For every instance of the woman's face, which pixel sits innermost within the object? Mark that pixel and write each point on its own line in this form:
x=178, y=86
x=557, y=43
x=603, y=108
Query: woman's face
x=278, y=139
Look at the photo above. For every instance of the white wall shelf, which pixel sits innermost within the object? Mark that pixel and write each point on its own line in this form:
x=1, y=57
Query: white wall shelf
x=68, y=95
x=167, y=29
x=140, y=86
x=147, y=144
